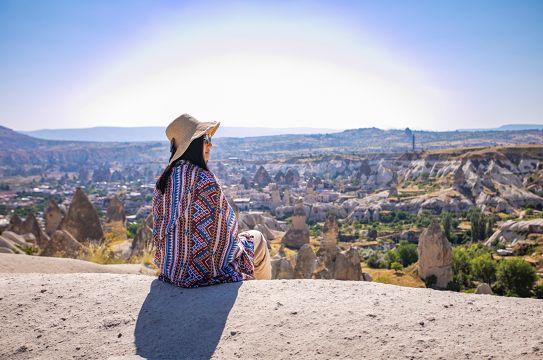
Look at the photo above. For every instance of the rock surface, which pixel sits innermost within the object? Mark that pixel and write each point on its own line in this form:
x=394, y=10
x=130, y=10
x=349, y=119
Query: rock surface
x=484, y=288
x=262, y=177
x=53, y=217
x=63, y=244
x=143, y=241
x=281, y=268
x=298, y=234
x=82, y=220
x=11, y=263
x=435, y=255
x=513, y=231
x=299, y=319
x=115, y=210
x=306, y=263
x=31, y=226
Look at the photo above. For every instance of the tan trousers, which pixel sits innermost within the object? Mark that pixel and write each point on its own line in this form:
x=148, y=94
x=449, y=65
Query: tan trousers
x=262, y=259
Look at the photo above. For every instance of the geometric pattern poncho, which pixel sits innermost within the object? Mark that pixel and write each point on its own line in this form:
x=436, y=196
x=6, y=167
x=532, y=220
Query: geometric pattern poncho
x=195, y=232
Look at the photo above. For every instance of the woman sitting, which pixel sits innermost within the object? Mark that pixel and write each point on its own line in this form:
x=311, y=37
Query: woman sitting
x=195, y=230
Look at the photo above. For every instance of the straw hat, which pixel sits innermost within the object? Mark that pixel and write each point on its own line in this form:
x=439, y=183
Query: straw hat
x=184, y=129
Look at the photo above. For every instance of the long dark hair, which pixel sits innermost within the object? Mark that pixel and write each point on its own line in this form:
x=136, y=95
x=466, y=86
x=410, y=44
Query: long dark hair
x=193, y=154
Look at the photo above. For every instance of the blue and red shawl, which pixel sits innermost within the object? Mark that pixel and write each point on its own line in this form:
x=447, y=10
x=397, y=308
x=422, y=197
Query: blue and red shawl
x=195, y=232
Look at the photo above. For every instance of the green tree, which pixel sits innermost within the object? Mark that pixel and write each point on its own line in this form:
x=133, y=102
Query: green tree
x=392, y=256
x=446, y=223
x=396, y=266
x=483, y=268
x=407, y=253
x=515, y=277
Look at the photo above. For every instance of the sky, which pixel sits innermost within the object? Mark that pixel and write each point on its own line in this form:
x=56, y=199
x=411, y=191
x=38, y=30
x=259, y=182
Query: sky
x=429, y=65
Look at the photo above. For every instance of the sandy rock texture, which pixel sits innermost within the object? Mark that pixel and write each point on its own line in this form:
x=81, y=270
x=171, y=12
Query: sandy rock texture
x=130, y=316
x=14, y=263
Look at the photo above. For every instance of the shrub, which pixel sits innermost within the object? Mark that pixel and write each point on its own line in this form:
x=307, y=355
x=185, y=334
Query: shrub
x=391, y=256
x=483, y=268
x=538, y=291
x=131, y=230
x=407, y=252
x=515, y=277
x=396, y=266
x=373, y=261
x=430, y=281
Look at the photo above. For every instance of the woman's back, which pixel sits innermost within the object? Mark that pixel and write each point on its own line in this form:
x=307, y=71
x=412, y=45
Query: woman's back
x=195, y=231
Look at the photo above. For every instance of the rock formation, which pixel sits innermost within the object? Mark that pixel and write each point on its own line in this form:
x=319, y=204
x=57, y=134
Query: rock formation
x=31, y=225
x=298, y=234
x=330, y=232
x=435, y=255
x=82, y=220
x=115, y=210
x=306, y=263
x=258, y=221
x=14, y=243
x=143, y=241
x=513, y=231
x=15, y=224
x=286, y=197
x=262, y=177
x=483, y=288
x=275, y=197
x=281, y=268
x=292, y=177
x=63, y=244
x=347, y=265
x=53, y=217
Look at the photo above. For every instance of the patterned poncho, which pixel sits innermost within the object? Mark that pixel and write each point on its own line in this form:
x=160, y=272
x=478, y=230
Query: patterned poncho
x=195, y=232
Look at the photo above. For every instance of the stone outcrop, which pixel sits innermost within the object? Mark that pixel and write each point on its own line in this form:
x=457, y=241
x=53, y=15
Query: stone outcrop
x=281, y=268
x=27, y=240
x=258, y=221
x=347, y=265
x=63, y=244
x=12, y=243
x=53, y=217
x=115, y=210
x=82, y=220
x=435, y=255
x=31, y=225
x=330, y=232
x=15, y=224
x=339, y=265
x=262, y=177
x=306, y=263
x=484, y=288
x=298, y=234
x=292, y=177
x=511, y=232
x=143, y=241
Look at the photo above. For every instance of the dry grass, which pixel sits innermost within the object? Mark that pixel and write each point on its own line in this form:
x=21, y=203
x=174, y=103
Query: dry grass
x=100, y=254
x=406, y=277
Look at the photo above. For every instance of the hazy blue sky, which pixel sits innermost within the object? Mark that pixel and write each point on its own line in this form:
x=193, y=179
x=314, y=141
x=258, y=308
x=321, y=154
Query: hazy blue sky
x=336, y=64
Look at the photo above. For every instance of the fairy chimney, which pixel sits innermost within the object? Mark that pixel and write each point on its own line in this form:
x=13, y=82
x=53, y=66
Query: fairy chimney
x=298, y=234
x=330, y=232
x=435, y=255
x=53, y=217
x=82, y=220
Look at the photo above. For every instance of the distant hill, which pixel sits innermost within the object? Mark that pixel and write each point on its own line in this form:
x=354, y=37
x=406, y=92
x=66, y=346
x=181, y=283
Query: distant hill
x=156, y=133
x=10, y=140
x=510, y=127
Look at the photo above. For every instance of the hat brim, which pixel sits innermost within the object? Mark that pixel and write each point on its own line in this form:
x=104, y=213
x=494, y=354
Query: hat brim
x=202, y=128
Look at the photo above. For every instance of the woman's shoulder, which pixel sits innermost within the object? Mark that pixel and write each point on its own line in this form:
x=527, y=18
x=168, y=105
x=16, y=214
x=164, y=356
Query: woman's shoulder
x=202, y=178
